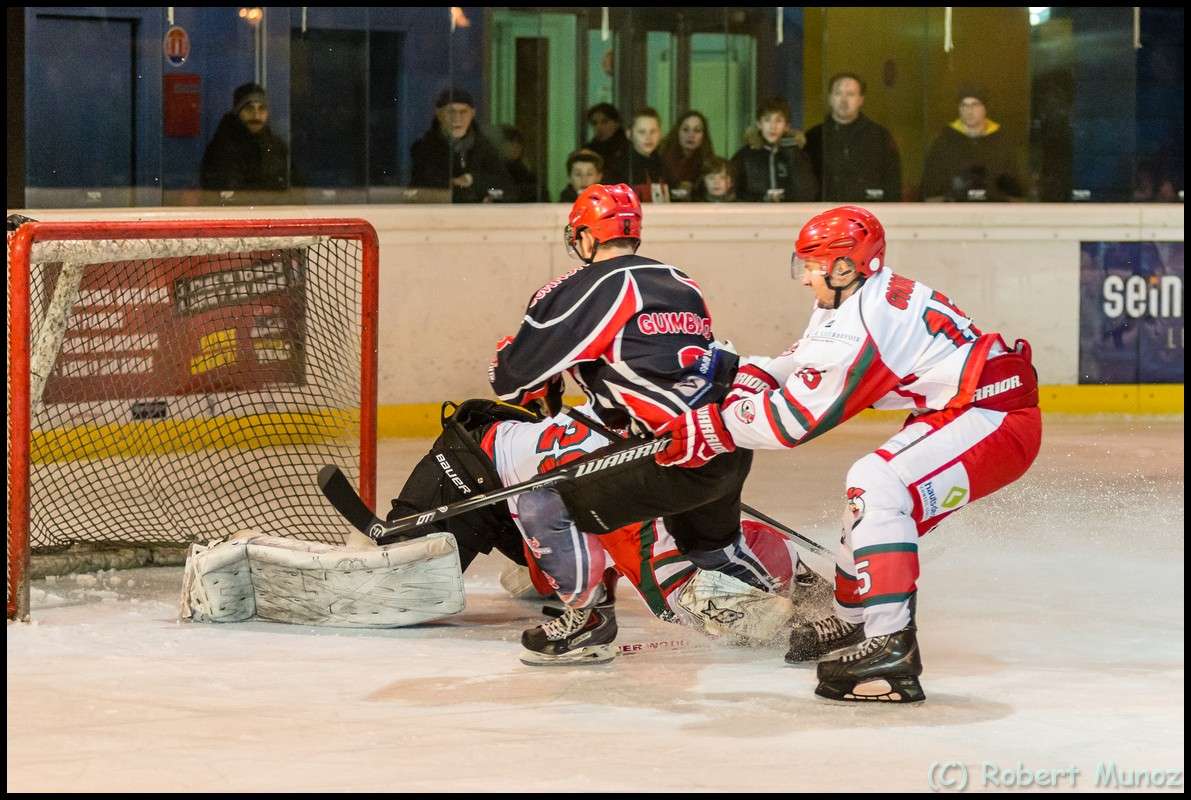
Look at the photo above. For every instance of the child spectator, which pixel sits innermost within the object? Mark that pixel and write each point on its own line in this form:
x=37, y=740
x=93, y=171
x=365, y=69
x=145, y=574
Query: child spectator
x=717, y=183
x=584, y=168
x=771, y=167
x=642, y=166
x=524, y=180
x=685, y=152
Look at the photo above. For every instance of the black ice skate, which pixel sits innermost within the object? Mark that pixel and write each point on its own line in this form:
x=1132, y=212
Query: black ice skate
x=579, y=636
x=883, y=668
x=813, y=640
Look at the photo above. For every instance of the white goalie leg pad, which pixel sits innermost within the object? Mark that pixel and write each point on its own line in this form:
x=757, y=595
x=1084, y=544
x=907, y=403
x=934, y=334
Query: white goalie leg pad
x=308, y=583
x=724, y=605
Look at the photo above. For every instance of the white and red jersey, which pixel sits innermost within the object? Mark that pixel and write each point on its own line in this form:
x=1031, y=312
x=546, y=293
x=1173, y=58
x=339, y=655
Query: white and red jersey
x=645, y=553
x=894, y=344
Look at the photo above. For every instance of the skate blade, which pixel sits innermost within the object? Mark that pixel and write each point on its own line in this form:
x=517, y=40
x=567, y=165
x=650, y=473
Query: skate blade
x=596, y=654
x=881, y=690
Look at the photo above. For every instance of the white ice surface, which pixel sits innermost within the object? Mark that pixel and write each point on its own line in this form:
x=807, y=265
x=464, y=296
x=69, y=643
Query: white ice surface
x=1051, y=623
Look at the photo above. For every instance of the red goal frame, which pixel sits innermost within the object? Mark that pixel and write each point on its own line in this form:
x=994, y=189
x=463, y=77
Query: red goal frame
x=19, y=249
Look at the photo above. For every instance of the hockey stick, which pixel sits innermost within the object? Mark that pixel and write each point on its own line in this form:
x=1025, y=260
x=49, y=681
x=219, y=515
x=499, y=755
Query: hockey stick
x=338, y=490
x=608, y=433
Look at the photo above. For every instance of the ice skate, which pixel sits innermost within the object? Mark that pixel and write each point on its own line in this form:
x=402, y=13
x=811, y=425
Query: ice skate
x=813, y=640
x=883, y=668
x=578, y=636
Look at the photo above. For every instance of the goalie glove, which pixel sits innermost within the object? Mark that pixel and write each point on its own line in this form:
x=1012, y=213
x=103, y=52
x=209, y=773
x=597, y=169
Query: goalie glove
x=696, y=437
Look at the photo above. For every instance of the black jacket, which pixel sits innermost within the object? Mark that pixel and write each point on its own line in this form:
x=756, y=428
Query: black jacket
x=638, y=171
x=761, y=167
x=961, y=167
x=626, y=327
x=613, y=150
x=857, y=162
x=436, y=162
x=238, y=160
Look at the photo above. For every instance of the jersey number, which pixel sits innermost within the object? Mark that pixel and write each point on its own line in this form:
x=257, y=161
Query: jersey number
x=943, y=318
x=561, y=437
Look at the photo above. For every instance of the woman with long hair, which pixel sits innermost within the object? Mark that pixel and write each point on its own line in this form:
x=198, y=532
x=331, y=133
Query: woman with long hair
x=685, y=152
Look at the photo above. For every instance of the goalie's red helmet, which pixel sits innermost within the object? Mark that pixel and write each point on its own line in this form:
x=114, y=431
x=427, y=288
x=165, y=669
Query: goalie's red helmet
x=849, y=232
x=607, y=211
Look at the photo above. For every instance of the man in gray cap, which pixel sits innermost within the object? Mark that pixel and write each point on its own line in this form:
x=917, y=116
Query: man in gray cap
x=971, y=160
x=454, y=154
x=245, y=154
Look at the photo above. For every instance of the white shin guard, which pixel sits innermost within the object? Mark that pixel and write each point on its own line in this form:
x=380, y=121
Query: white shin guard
x=308, y=583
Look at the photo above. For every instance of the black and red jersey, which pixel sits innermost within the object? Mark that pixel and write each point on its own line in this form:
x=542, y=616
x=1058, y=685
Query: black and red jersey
x=634, y=334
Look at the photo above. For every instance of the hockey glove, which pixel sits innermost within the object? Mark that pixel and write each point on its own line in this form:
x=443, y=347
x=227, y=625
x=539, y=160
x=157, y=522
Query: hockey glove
x=696, y=437
x=750, y=380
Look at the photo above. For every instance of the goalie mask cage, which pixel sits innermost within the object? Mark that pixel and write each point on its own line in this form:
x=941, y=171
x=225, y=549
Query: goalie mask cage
x=173, y=382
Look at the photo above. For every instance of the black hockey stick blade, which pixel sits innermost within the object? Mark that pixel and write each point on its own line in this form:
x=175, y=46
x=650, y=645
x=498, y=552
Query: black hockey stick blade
x=338, y=490
x=382, y=532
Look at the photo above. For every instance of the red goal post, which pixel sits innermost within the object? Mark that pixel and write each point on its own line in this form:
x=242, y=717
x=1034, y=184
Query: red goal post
x=177, y=381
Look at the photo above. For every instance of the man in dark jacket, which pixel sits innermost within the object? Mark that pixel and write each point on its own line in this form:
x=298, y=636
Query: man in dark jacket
x=454, y=154
x=855, y=159
x=971, y=159
x=608, y=139
x=245, y=154
x=771, y=167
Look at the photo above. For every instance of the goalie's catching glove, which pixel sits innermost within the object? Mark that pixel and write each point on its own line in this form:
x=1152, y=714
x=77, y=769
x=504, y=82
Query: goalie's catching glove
x=696, y=437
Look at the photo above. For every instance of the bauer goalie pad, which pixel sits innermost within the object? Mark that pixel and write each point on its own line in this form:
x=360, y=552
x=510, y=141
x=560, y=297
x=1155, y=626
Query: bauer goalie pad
x=309, y=583
x=726, y=606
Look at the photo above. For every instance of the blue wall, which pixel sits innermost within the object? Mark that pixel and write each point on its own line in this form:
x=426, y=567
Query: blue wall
x=223, y=55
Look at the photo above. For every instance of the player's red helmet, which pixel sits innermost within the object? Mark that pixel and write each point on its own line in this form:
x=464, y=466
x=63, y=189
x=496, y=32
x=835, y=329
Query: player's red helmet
x=847, y=232
x=607, y=211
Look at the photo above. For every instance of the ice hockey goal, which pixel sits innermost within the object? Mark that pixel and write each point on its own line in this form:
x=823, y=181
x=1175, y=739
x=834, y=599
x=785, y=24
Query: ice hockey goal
x=171, y=382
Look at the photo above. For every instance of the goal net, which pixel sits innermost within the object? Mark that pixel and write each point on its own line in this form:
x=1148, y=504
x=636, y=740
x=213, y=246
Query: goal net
x=175, y=382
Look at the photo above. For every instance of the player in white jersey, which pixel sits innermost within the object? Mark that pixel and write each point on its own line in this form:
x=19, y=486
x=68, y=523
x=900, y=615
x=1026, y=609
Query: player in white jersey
x=486, y=444
x=878, y=339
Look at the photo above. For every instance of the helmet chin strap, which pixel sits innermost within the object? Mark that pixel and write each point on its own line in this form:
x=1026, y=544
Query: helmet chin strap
x=839, y=290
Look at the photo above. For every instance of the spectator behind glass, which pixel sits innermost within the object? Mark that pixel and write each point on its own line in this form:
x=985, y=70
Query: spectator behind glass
x=453, y=153
x=584, y=168
x=244, y=153
x=717, y=183
x=685, y=152
x=525, y=182
x=608, y=137
x=971, y=159
x=771, y=167
x=854, y=158
x=641, y=167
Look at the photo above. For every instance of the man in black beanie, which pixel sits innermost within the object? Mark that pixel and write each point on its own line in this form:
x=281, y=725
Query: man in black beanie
x=454, y=154
x=244, y=153
x=971, y=160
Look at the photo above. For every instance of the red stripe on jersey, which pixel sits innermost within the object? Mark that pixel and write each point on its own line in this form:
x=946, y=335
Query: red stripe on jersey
x=885, y=454
x=847, y=590
x=649, y=411
x=970, y=378
x=488, y=443
x=892, y=573
x=626, y=308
